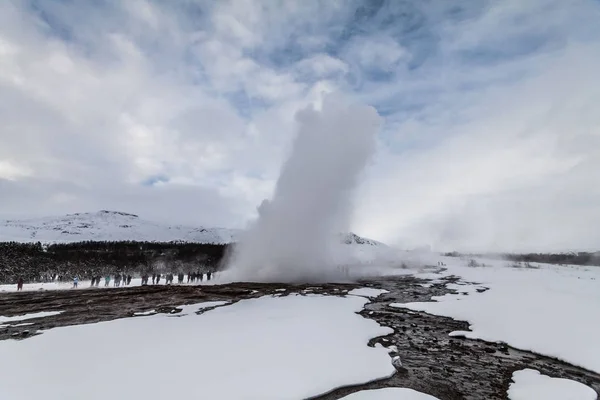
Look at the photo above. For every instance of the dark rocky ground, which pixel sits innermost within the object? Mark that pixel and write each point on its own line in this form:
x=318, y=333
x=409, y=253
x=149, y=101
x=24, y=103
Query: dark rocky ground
x=431, y=361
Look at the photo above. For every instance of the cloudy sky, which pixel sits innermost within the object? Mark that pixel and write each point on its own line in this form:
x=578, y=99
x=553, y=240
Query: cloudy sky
x=183, y=111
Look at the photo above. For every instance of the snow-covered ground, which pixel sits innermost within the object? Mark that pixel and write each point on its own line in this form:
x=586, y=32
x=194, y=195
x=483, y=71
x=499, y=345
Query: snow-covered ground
x=367, y=292
x=529, y=384
x=25, y=317
x=389, y=394
x=551, y=310
x=300, y=346
x=267, y=348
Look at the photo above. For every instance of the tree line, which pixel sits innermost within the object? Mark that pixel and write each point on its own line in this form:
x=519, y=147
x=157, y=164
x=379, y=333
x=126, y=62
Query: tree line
x=37, y=262
x=580, y=258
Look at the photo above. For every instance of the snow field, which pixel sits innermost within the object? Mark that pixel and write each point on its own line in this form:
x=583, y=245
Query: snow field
x=546, y=310
x=267, y=348
x=529, y=384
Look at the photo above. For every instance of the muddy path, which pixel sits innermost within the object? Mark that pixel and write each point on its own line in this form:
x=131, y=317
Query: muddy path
x=426, y=358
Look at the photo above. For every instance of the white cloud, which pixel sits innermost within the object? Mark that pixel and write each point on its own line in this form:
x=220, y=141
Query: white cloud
x=507, y=165
x=376, y=52
x=490, y=137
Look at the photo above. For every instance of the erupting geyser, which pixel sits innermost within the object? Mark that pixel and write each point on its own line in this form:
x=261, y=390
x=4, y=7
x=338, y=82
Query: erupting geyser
x=297, y=232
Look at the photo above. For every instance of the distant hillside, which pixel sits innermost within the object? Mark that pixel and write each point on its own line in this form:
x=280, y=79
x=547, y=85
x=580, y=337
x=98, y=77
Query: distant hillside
x=115, y=226
x=111, y=226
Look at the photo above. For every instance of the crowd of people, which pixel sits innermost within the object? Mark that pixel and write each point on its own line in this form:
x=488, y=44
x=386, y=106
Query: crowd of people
x=122, y=280
x=192, y=277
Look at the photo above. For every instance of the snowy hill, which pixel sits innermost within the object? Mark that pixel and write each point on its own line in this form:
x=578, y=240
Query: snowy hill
x=107, y=226
x=119, y=226
x=352, y=238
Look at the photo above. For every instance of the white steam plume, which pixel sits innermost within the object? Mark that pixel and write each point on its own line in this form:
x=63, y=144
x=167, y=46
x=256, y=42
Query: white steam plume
x=295, y=236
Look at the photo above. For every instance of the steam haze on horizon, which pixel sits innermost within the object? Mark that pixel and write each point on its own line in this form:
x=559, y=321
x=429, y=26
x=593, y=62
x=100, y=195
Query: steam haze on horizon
x=294, y=238
x=184, y=112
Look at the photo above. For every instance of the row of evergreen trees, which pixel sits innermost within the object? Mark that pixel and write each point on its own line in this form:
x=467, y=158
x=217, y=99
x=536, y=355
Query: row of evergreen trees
x=36, y=262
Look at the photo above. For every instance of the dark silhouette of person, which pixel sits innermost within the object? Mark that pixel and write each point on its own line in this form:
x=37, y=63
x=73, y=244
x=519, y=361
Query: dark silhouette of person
x=20, y=284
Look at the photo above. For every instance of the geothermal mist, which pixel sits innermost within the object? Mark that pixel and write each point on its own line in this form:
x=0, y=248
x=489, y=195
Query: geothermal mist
x=297, y=232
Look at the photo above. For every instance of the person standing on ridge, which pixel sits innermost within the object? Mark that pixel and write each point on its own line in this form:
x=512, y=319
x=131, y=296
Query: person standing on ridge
x=20, y=284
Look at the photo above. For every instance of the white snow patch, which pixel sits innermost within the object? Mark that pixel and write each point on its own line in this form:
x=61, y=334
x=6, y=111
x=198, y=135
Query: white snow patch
x=266, y=348
x=529, y=384
x=24, y=317
x=545, y=310
x=142, y=313
x=462, y=334
x=367, y=292
x=192, y=308
x=389, y=394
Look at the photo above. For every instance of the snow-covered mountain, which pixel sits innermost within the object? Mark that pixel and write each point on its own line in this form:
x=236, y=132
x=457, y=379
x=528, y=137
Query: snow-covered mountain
x=118, y=226
x=107, y=226
x=352, y=238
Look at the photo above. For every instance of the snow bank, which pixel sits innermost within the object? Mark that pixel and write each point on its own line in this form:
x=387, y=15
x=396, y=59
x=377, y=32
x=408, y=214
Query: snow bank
x=27, y=287
x=547, y=310
x=389, y=394
x=267, y=348
x=367, y=292
x=529, y=384
x=29, y=316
